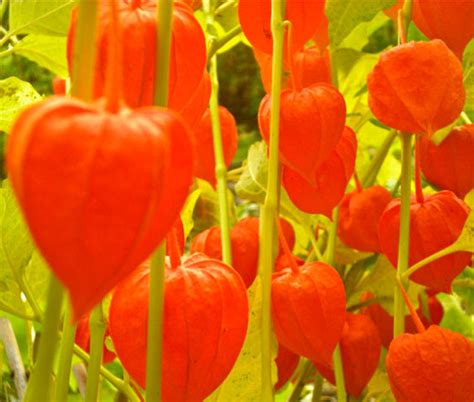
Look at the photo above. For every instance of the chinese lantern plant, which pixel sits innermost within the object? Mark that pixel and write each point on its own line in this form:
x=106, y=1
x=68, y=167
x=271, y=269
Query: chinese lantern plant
x=438, y=76
x=450, y=165
x=205, y=161
x=70, y=161
x=332, y=178
x=435, y=223
x=450, y=21
x=360, y=350
x=434, y=365
x=205, y=324
x=138, y=19
x=83, y=337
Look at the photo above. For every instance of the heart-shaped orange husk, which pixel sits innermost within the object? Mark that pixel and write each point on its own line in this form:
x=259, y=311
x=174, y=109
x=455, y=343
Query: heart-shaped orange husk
x=286, y=362
x=244, y=245
x=417, y=87
x=450, y=165
x=99, y=190
x=436, y=365
x=451, y=21
x=308, y=310
x=360, y=352
x=311, y=125
x=204, y=144
x=434, y=224
x=311, y=66
x=359, y=215
x=254, y=17
x=138, y=22
x=384, y=321
x=331, y=179
x=205, y=324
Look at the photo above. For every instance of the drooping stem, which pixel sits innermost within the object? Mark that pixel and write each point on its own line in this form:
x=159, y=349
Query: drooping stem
x=156, y=301
x=97, y=330
x=113, y=86
x=405, y=17
x=358, y=184
x=173, y=248
x=40, y=383
x=286, y=249
x=84, y=52
x=465, y=118
x=220, y=166
x=404, y=237
x=419, y=189
x=65, y=356
x=216, y=44
x=414, y=315
x=270, y=206
x=433, y=257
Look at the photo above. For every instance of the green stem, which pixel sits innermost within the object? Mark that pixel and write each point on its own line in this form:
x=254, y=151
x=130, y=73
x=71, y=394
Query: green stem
x=337, y=359
x=406, y=19
x=373, y=169
x=318, y=388
x=97, y=330
x=339, y=375
x=119, y=384
x=40, y=383
x=154, y=363
x=465, y=118
x=404, y=239
x=84, y=52
x=163, y=40
x=433, y=257
x=155, y=326
x=3, y=9
x=304, y=373
x=269, y=213
x=216, y=44
x=65, y=356
x=221, y=169
x=223, y=7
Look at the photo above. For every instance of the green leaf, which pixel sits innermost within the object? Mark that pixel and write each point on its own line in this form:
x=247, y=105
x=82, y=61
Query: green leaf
x=381, y=281
x=188, y=210
x=16, y=250
x=15, y=94
x=345, y=15
x=463, y=286
x=50, y=17
x=48, y=51
x=252, y=182
x=378, y=388
x=244, y=381
x=454, y=317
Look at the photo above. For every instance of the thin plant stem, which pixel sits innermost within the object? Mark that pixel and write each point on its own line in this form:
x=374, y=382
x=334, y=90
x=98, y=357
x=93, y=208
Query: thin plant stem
x=465, y=118
x=304, y=373
x=154, y=362
x=97, y=330
x=404, y=237
x=119, y=384
x=154, y=365
x=40, y=383
x=220, y=167
x=267, y=233
x=216, y=44
x=369, y=176
x=337, y=359
x=419, y=189
x=173, y=248
x=318, y=388
x=65, y=355
x=84, y=51
x=113, y=84
x=414, y=315
x=433, y=257
x=286, y=249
